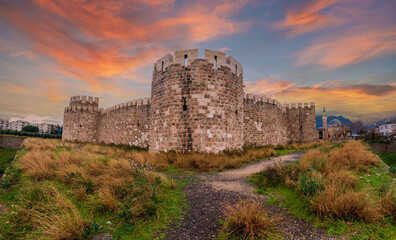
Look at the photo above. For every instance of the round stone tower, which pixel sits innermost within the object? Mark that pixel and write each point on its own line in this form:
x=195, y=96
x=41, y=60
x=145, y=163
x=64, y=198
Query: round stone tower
x=81, y=119
x=196, y=104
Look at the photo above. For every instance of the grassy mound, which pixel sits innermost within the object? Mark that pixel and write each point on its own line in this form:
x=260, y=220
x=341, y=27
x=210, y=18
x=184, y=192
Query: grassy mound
x=60, y=190
x=345, y=188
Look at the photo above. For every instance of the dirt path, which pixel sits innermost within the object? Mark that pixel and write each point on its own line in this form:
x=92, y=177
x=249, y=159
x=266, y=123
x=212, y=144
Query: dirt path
x=208, y=193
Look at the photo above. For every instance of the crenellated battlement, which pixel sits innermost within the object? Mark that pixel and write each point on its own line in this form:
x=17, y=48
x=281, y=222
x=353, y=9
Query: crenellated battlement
x=84, y=100
x=134, y=103
x=283, y=107
x=186, y=57
x=81, y=108
x=300, y=105
x=261, y=99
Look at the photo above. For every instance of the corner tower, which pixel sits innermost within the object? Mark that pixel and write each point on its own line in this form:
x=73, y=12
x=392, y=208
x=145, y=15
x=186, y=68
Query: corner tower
x=196, y=104
x=81, y=119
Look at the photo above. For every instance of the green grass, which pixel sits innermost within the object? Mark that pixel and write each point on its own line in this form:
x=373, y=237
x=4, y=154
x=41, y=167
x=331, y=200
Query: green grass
x=390, y=160
x=172, y=208
x=171, y=205
x=298, y=205
x=374, y=182
x=6, y=156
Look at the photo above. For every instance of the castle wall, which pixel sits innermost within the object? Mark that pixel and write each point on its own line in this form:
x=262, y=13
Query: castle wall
x=264, y=121
x=196, y=105
x=126, y=123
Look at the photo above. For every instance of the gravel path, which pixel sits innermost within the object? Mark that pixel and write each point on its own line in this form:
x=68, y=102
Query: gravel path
x=208, y=193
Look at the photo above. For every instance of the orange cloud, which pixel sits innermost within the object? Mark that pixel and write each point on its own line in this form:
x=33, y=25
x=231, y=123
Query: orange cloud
x=55, y=96
x=224, y=49
x=13, y=88
x=53, y=90
x=353, y=47
x=97, y=40
x=348, y=100
x=303, y=18
x=268, y=87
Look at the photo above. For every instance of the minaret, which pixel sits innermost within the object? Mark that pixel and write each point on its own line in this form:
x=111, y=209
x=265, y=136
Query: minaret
x=324, y=119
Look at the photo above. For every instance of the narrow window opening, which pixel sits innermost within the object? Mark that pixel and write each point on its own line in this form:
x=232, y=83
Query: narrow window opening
x=184, y=104
x=236, y=69
x=236, y=112
x=80, y=125
x=162, y=66
x=185, y=60
x=215, y=61
x=138, y=124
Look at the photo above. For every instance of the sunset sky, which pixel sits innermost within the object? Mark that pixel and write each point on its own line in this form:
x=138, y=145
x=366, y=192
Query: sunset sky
x=338, y=54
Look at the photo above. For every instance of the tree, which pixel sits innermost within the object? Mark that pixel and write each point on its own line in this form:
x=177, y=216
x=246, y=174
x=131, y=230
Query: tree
x=362, y=132
x=30, y=128
x=54, y=129
x=356, y=126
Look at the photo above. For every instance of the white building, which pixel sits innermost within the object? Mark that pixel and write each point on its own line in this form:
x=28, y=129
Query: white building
x=387, y=128
x=17, y=125
x=44, y=127
x=4, y=124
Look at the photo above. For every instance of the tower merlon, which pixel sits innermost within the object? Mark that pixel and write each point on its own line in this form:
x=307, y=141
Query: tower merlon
x=186, y=56
x=163, y=62
x=215, y=57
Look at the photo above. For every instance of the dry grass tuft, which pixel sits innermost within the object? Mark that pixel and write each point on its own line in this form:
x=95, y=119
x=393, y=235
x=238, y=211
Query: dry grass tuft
x=353, y=155
x=38, y=164
x=332, y=201
x=248, y=220
x=341, y=179
x=53, y=213
x=388, y=204
x=314, y=158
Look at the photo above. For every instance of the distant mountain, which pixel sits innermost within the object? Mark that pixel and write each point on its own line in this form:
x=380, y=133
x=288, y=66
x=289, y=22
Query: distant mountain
x=343, y=120
x=380, y=122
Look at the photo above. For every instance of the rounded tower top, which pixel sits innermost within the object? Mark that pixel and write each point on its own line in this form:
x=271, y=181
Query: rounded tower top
x=186, y=57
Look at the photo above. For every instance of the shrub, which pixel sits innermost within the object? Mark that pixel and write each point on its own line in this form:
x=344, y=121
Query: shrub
x=276, y=174
x=248, y=220
x=309, y=185
x=5, y=183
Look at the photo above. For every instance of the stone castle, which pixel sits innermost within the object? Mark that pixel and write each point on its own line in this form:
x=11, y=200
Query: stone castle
x=195, y=105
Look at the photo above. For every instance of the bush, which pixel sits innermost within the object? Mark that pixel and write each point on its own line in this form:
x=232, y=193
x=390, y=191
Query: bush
x=275, y=175
x=309, y=185
x=248, y=220
x=348, y=204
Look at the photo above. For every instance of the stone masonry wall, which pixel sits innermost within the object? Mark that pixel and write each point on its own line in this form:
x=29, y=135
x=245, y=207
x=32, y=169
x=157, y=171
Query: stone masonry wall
x=264, y=122
x=11, y=142
x=126, y=123
x=196, y=105
x=268, y=122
